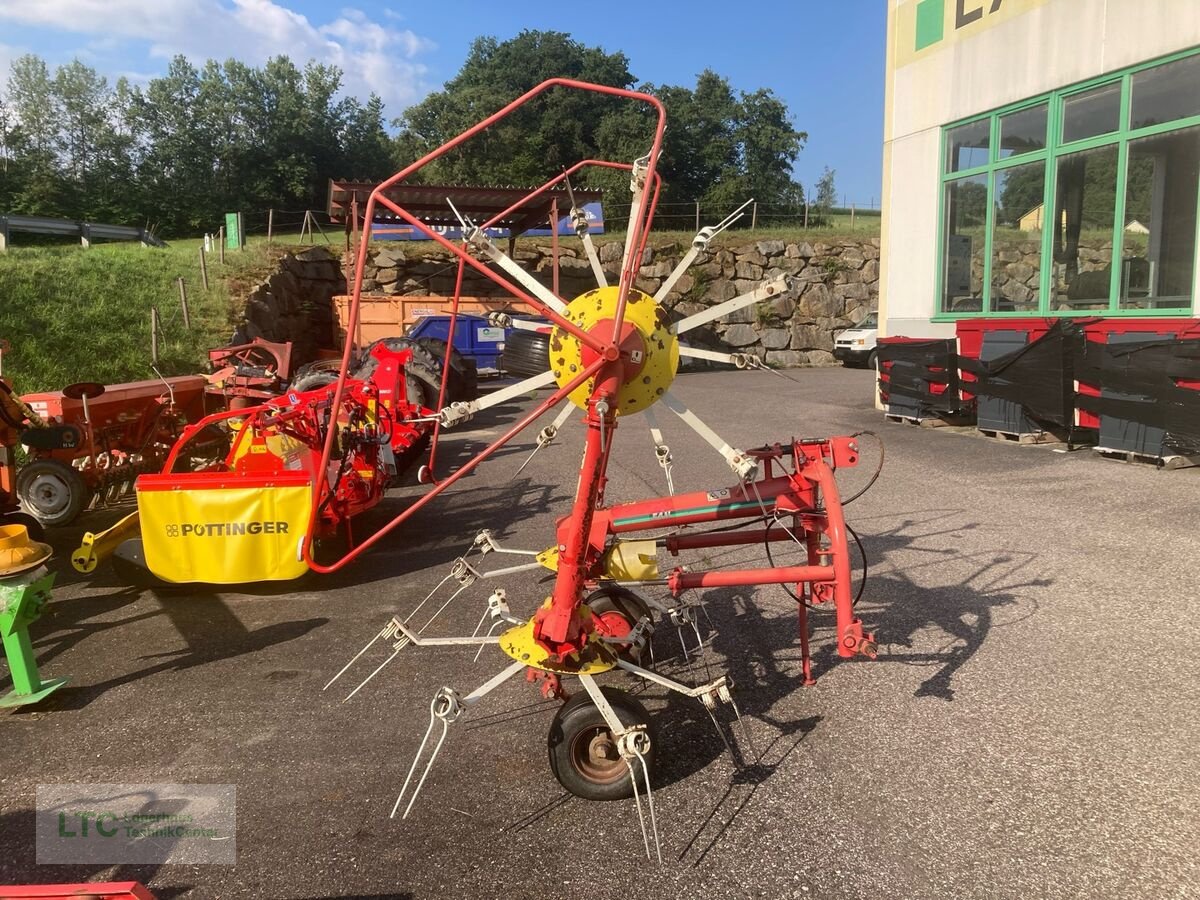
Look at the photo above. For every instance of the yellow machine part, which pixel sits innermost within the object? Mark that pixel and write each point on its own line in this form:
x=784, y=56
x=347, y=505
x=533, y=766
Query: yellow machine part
x=97, y=547
x=519, y=643
x=229, y=535
x=594, y=311
x=549, y=558
x=631, y=561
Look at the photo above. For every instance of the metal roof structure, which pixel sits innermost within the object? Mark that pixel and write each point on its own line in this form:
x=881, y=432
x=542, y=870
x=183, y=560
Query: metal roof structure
x=428, y=202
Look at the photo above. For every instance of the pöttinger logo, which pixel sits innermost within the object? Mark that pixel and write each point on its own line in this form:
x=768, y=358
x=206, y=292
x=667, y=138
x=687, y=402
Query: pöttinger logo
x=172, y=531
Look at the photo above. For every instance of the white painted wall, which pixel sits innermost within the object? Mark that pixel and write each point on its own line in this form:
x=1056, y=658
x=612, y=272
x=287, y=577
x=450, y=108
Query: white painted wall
x=1050, y=46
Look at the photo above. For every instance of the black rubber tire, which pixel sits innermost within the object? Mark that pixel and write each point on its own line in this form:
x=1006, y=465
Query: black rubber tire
x=873, y=361
x=526, y=353
x=613, y=600
x=463, y=384
x=310, y=381
x=574, y=730
x=52, y=492
x=32, y=525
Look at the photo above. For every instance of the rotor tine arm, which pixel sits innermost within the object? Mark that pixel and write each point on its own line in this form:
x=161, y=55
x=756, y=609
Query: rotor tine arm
x=740, y=360
x=677, y=273
x=637, y=186
x=743, y=465
x=699, y=245
x=547, y=435
x=580, y=224
x=764, y=291
x=459, y=412
x=481, y=242
x=661, y=451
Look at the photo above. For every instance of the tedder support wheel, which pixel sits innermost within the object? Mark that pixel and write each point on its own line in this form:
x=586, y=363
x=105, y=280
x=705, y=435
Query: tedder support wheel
x=616, y=610
x=51, y=491
x=583, y=751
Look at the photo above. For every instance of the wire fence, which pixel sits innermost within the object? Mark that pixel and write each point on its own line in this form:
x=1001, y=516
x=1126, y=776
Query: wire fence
x=693, y=215
x=311, y=226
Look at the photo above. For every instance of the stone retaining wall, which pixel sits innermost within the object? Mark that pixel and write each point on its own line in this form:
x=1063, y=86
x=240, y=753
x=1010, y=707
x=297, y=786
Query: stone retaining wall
x=836, y=286
x=295, y=304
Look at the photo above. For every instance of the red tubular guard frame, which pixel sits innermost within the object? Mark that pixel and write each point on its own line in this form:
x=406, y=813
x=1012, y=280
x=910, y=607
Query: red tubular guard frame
x=563, y=631
x=808, y=496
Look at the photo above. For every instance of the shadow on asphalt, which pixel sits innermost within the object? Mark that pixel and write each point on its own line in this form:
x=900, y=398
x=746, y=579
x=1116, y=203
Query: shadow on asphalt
x=209, y=628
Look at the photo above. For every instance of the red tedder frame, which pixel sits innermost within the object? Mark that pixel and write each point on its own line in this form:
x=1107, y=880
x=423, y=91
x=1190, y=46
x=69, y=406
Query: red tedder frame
x=562, y=631
x=807, y=495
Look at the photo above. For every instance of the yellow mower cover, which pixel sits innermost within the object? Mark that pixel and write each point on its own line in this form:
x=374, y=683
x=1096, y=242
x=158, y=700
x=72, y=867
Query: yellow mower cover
x=225, y=528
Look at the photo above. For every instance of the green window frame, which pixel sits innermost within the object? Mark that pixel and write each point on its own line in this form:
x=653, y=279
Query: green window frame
x=1055, y=149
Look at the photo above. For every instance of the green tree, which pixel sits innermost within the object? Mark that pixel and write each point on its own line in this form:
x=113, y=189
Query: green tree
x=827, y=190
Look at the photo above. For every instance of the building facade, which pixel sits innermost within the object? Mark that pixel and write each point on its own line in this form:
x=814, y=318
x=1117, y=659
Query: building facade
x=1041, y=159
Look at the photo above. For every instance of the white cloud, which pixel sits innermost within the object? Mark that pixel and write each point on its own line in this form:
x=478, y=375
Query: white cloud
x=373, y=56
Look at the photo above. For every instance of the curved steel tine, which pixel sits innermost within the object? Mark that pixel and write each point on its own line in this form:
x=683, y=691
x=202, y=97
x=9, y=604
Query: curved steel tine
x=650, y=803
x=638, y=802
x=417, y=758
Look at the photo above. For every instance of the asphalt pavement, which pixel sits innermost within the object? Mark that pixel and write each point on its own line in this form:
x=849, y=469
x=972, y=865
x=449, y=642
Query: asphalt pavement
x=1028, y=730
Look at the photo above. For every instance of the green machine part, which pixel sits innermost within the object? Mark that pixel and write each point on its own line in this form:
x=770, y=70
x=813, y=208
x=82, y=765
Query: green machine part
x=22, y=600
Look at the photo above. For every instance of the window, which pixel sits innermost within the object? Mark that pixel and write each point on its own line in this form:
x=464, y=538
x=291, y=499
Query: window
x=1091, y=113
x=1083, y=229
x=1166, y=93
x=1056, y=206
x=967, y=146
x=1017, y=228
x=1024, y=131
x=1160, y=216
x=966, y=215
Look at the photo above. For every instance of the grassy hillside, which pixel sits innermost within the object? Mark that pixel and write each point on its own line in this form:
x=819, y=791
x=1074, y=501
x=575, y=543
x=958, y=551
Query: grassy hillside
x=72, y=314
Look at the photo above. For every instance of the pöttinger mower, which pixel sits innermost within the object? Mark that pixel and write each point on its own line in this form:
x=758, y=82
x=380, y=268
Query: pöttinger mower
x=243, y=514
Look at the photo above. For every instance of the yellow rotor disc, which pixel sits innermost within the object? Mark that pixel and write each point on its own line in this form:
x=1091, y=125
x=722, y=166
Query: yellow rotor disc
x=649, y=351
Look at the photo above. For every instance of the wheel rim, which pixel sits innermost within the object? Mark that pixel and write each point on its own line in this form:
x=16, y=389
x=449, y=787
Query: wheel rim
x=49, y=494
x=594, y=755
x=612, y=624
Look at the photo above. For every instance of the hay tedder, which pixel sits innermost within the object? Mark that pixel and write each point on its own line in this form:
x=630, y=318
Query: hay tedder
x=614, y=353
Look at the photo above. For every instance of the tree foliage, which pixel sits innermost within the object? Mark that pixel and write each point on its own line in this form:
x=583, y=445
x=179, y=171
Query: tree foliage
x=721, y=147
x=186, y=147
x=189, y=146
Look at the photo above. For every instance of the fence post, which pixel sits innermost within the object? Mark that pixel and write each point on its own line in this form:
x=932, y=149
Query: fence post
x=183, y=305
x=697, y=215
x=806, y=215
x=154, y=325
x=851, y=216
x=203, y=269
x=221, y=243
x=270, y=224
x=754, y=216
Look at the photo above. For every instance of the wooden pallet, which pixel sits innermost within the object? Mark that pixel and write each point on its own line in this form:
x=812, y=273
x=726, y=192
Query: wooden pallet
x=927, y=422
x=1027, y=437
x=1175, y=461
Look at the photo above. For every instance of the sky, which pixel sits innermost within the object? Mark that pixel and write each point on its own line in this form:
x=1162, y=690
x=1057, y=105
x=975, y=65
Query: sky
x=824, y=58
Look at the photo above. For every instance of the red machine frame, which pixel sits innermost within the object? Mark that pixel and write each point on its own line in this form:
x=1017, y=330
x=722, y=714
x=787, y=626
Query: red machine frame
x=560, y=627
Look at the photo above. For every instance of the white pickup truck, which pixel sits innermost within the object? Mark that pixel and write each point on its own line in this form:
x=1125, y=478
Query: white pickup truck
x=856, y=346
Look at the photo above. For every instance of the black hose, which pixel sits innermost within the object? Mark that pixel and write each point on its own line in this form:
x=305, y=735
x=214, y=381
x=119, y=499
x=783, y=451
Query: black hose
x=878, y=469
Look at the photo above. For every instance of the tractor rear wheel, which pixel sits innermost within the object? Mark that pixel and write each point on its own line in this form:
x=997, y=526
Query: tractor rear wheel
x=51, y=491
x=526, y=353
x=463, y=383
x=583, y=750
